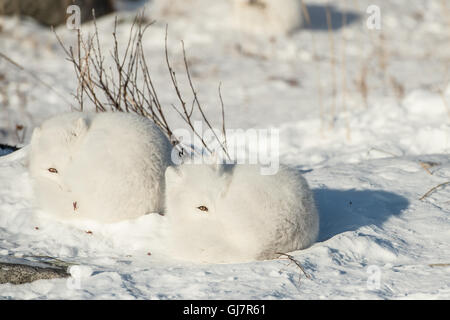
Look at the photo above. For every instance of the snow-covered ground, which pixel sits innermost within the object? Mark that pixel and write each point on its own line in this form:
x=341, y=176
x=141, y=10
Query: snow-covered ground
x=364, y=158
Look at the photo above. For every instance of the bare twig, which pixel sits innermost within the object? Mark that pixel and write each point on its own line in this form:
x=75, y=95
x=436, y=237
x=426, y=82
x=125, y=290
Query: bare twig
x=333, y=65
x=382, y=151
x=197, y=103
x=184, y=113
x=297, y=263
x=442, y=90
x=126, y=84
x=344, y=76
x=434, y=265
x=361, y=82
x=224, y=132
x=317, y=66
x=444, y=100
x=434, y=189
x=398, y=88
x=426, y=165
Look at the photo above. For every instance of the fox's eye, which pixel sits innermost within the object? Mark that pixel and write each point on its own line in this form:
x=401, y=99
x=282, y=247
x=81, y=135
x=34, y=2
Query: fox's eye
x=53, y=170
x=203, y=208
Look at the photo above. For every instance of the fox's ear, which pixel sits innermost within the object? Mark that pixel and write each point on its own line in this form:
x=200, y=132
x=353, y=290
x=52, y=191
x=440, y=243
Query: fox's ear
x=173, y=175
x=215, y=162
x=80, y=127
x=36, y=134
x=227, y=178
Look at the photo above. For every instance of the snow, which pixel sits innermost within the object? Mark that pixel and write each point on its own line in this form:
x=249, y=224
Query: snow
x=364, y=163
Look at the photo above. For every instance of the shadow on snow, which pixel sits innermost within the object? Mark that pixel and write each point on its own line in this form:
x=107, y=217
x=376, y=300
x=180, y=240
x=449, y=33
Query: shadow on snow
x=348, y=210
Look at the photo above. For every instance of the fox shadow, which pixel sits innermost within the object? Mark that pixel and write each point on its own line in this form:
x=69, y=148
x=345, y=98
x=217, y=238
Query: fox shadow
x=318, y=17
x=348, y=210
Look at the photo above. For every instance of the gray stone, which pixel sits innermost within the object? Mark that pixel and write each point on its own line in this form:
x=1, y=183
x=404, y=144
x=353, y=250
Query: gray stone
x=53, y=12
x=15, y=273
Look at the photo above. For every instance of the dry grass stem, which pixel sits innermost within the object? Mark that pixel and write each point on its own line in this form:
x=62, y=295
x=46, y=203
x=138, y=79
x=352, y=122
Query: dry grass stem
x=297, y=263
x=332, y=66
x=427, y=165
x=126, y=84
x=344, y=76
x=317, y=67
x=434, y=189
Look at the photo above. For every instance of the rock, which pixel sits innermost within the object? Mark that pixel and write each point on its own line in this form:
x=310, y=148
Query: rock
x=21, y=273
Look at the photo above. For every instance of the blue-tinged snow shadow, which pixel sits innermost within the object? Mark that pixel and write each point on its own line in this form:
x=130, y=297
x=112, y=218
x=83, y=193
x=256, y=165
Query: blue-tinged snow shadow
x=348, y=210
x=318, y=16
x=6, y=149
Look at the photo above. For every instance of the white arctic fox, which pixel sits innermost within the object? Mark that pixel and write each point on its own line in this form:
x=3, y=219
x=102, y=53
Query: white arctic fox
x=233, y=213
x=99, y=166
x=267, y=17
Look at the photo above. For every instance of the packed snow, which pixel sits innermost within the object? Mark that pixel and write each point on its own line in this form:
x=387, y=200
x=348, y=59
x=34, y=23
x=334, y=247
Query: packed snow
x=363, y=114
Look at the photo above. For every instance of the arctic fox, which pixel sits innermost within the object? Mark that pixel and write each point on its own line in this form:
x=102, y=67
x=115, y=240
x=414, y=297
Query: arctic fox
x=233, y=213
x=267, y=17
x=99, y=166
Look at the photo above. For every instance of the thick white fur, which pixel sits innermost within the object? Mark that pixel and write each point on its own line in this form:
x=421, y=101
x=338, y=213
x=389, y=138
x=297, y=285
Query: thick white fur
x=250, y=216
x=110, y=164
x=267, y=17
